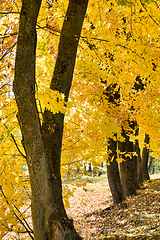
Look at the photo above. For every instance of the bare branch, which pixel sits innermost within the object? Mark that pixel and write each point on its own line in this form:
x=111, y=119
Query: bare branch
x=27, y=195
x=45, y=28
x=8, y=50
x=76, y=142
x=144, y=6
x=31, y=230
x=5, y=13
x=28, y=230
x=13, y=138
x=10, y=35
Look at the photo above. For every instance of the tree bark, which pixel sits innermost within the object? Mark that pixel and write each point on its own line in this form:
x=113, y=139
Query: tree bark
x=150, y=164
x=42, y=146
x=143, y=172
x=138, y=152
x=142, y=161
x=128, y=168
x=61, y=81
x=113, y=173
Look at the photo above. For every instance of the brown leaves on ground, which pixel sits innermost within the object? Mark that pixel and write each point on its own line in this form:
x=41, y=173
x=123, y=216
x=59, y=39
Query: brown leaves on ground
x=94, y=218
x=139, y=220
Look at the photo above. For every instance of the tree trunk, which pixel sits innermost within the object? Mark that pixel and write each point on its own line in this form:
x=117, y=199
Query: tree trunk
x=142, y=162
x=150, y=164
x=114, y=181
x=136, y=147
x=90, y=167
x=139, y=159
x=143, y=173
x=113, y=173
x=42, y=146
x=128, y=168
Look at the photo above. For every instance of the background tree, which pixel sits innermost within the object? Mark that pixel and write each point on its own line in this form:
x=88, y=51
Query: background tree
x=143, y=170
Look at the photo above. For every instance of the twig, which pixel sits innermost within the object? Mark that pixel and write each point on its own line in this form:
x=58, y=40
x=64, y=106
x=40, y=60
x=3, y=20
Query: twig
x=7, y=36
x=130, y=50
x=26, y=210
x=31, y=230
x=76, y=142
x=94, y=38
x=3, y=13
x=8, y=50
x=13, y=138
x=27, y=193
x=4, y=85
x=52, y=29
x=17, y=146
x=65, y=164
x=28, y=231
x=45, y=28
x=143, y=5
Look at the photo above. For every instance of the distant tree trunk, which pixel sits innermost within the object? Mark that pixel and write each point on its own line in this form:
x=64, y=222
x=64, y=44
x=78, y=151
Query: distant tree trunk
x=114, y=181
x=150, y=164
x=43, y=146
x=137, y=150
x=142, y=161
x=153, y=170
x=128, y=168
x=101, y=165
x=84, y=168
x=143, y=173
x=113, y=173
x=90, y=167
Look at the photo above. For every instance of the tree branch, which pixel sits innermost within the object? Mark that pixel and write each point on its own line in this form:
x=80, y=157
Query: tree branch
x=13, y=138
x=3, y=13
x=143, y=5
x=76, y=142
x=10, y=35
x=29, y=231
x=8, y=50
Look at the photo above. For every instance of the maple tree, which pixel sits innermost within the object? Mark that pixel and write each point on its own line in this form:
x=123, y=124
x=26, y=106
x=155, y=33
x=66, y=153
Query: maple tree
x=119, y=41
x=42, y=140
x=120, y=63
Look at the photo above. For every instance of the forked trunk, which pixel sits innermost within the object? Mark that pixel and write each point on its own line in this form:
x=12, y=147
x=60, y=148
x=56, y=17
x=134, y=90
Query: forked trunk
x=43, y=144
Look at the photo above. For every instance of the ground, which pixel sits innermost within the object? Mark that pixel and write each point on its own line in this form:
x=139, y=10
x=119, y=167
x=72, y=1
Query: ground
x=140, y=219
x=95, y=217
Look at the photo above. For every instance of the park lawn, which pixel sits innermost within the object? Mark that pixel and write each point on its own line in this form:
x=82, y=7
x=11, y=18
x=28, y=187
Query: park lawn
x=140, y=219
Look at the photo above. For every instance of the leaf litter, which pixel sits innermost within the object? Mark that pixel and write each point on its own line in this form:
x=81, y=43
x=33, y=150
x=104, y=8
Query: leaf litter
x=95, y=216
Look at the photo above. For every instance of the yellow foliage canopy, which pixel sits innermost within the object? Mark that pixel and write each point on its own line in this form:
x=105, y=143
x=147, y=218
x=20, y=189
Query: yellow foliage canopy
x=118, y=43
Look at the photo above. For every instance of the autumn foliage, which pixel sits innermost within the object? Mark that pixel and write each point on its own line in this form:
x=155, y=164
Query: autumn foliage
x=119, y=46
